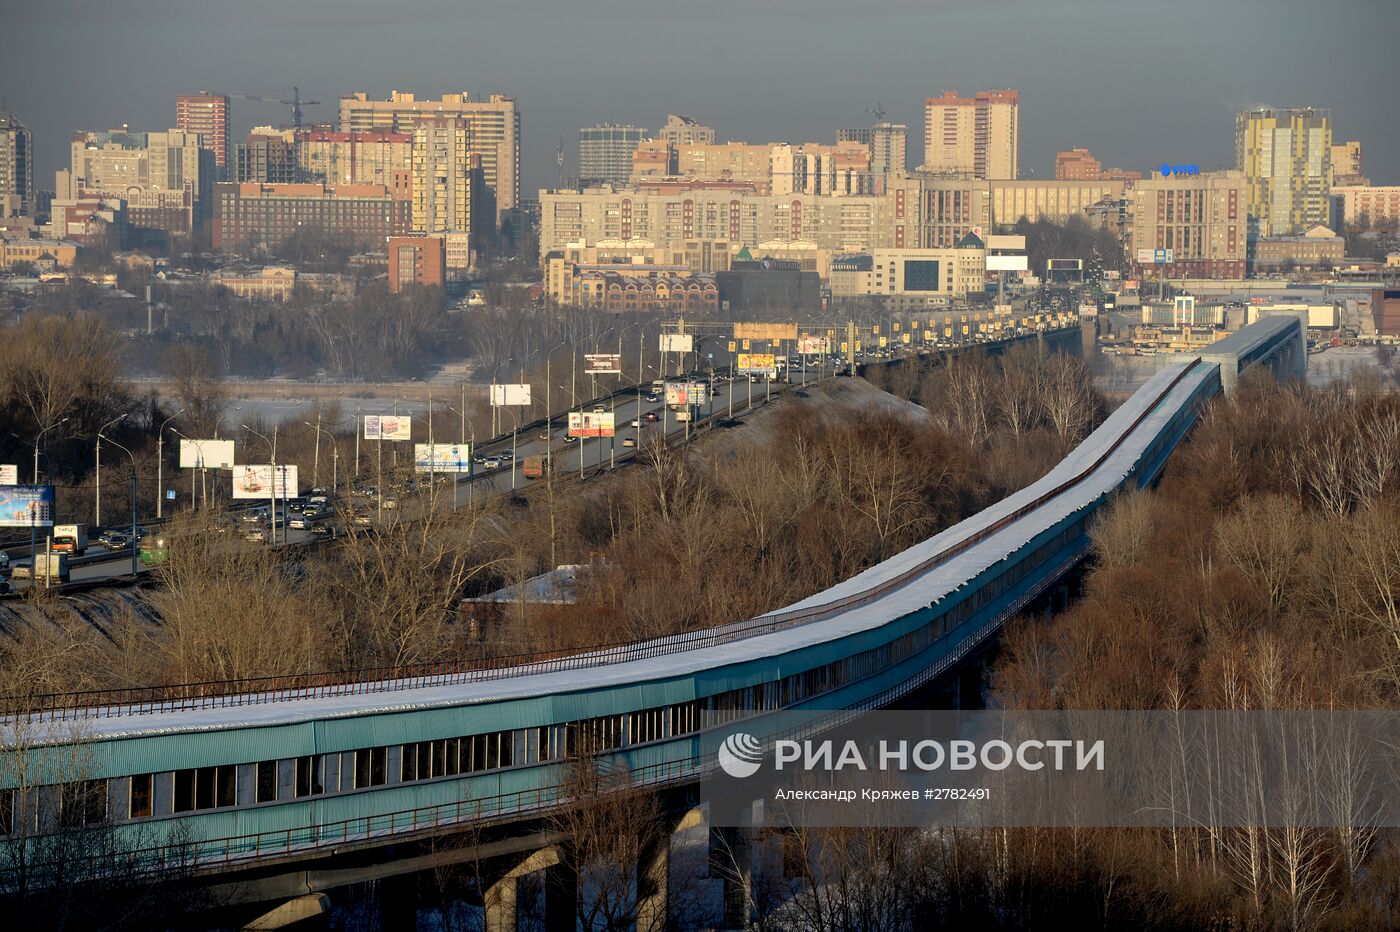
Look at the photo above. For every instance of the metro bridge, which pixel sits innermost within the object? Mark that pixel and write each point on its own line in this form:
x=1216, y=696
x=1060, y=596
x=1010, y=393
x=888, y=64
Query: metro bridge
x=299, y=784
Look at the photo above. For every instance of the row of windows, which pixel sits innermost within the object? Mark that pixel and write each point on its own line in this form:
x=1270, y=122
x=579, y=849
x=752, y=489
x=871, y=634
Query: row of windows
x=232, y=785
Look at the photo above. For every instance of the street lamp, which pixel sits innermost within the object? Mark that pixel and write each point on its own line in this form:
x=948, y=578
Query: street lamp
x=36, y=447
x=97, y=506
x=335, y=454
x=272, y=485
x=133, y=496
x=471, y=451
x=160, y=462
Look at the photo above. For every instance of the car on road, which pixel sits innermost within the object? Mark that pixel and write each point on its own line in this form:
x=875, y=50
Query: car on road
x=505, y=456
x=636, y=422
x=492, y=462
x=600, y=409
x=649, y=416
x=298, y=522
x=322, y=529
x=361, y=518
x=653, y=397
x=253, y=515
x=256, y=534
x=569, y=438
x=479, y=458
x=4, y=563
x=116, y=540
x=629, y=441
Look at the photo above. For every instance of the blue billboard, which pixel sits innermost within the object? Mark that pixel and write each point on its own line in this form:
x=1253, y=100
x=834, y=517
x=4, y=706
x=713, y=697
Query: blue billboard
x=26, y=506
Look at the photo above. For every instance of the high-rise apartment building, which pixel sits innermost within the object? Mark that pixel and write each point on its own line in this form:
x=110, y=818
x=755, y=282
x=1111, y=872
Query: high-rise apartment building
x=685, y=131
x=1286, y=156
x=267, y=156
x=605, y=152
x=772, y=168
x=375, y=157
x=1202, y=219
x=493, y=131
x=1346, y=164
x=207, y=114
x=416, y=260
x=165, y=178
x=16, y=167
x=888, y=144
x=976, y=136
x=449, y=192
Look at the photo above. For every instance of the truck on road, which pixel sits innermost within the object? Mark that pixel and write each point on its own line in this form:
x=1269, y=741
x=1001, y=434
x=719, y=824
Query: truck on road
x=54, y=566
x=70, y=538
x=532, y=467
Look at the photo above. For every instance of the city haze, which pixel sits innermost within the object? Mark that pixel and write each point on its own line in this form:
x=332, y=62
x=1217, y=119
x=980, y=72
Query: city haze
x=1139, y=83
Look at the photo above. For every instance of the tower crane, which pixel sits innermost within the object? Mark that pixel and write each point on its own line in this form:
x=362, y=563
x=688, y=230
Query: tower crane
x=878, y=110
x=295, y=102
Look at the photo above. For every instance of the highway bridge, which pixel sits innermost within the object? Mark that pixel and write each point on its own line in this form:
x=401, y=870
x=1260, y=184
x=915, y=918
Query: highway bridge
x=295, y=785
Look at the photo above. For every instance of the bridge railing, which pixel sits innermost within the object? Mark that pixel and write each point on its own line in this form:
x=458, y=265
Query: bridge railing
x=224, y=694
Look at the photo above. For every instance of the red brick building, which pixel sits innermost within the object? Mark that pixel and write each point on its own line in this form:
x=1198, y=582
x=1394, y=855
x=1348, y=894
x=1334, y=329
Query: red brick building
x=416, y=260
x=360, y=216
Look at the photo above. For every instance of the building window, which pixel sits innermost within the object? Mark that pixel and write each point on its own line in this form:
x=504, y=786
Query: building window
x=141, y=802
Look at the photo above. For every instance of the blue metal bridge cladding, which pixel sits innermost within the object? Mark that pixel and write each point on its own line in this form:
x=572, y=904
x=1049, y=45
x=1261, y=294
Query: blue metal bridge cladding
x=277, y=777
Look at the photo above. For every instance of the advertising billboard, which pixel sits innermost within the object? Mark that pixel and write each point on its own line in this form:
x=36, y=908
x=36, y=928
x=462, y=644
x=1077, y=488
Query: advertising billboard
x=9, y=474
x=602, y=363
x=509, y=395
x=759, y=331
x=683, y=394
x=813, y=346
x=757, y=362
x=590, y=424
x=255, y=481
x=1008, y=264
x=442, y=457
x=26, y=506
x=1154, y=256
x=388, y=427
x=206, y=454
x=677, y=342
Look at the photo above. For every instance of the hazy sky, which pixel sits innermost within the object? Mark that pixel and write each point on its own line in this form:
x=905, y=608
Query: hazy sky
x=1139, y=82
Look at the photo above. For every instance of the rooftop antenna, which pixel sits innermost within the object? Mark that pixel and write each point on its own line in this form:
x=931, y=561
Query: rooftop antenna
x=559, y=162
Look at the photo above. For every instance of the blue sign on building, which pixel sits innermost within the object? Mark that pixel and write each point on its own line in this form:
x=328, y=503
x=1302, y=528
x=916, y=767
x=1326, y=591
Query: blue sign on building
x=1168, y=170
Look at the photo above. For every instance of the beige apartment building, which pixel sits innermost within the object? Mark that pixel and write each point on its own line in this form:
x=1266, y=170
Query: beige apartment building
x=447, y=178
x=374, y=157
x=493, y=127
x=207, y=114
x=1203, y=219
x=1368, y=206
x=165, y=178
x=685, y=131
x=1050, y=200
x=1346, y=164
x=671, y=215
x=977, y=136
x=772, y=168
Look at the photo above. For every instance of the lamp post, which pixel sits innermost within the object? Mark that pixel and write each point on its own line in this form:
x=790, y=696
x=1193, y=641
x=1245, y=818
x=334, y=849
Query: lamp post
x=470, y=451
x=160, y=462
x=133, y=497
x=272, y=484
x=97, y=506
x=36, y=447
x=335, y=452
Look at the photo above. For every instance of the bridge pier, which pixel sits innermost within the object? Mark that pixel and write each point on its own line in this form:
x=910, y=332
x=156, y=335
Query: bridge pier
x=654, y=883
x=293, y=911
x=502, y=898
x=732, y=858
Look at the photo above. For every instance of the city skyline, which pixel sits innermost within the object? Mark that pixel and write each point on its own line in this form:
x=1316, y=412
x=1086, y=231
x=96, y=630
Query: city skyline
x=1128, y=100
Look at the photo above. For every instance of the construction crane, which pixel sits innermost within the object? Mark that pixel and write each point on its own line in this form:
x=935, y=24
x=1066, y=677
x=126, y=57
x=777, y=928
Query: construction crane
x=878, y=110
x=295, y=102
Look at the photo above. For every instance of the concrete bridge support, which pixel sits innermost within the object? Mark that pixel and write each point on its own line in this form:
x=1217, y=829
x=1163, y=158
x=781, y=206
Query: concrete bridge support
x=292, y=911
x=502, y=899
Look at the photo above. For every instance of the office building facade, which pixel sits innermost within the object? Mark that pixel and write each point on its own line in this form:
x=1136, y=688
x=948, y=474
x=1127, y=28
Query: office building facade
x=605, y=152
x=165, y=178
x=1203, y=219
x=1286, y=156
x=976, y=136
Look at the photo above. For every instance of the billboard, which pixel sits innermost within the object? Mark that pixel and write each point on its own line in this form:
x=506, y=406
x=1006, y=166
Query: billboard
x=26, y=506
x=507, y=395
x=757, y=362
x=683, y=394
x=1007, y=264
x=9, y=474
x=677, y=342
x=1154, y=256
x=813, y=346
x=256, y=481
x=758, y=331
x=602, y=363
x=590, y=424
x=442, y=457
x=388, y=427
x=206, y=454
